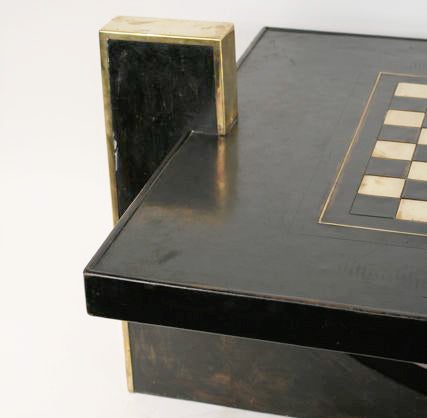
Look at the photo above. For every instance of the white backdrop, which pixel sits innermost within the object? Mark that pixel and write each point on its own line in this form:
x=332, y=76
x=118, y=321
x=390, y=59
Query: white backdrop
x=55, y=361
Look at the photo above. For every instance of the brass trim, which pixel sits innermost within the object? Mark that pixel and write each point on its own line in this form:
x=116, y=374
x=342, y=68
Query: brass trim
x=168, y=28
x=347, y=156
x=108, y=125
x=128, y=356
x=417, y=234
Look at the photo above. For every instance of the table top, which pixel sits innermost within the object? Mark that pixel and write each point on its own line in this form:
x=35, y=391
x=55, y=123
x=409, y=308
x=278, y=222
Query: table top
x=299, y=226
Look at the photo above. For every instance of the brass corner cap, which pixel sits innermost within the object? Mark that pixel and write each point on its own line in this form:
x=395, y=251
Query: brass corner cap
x=168, y=28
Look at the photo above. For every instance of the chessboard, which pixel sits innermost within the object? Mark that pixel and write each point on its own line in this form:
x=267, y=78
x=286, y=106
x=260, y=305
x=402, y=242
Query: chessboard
x=389, y=151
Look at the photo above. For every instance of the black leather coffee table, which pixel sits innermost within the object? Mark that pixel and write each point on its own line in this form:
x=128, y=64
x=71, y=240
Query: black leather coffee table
x=305, y=226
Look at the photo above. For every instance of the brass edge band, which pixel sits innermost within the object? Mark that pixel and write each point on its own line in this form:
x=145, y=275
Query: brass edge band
x=128, y=356
x=226, y=99
x=108, y=123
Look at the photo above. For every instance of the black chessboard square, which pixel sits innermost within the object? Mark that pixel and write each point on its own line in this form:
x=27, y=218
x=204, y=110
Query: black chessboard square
x=387, y=167
x=420, y=153
x=399, y=133
x=409, y=103
x=383, y=207
x=416, y=190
